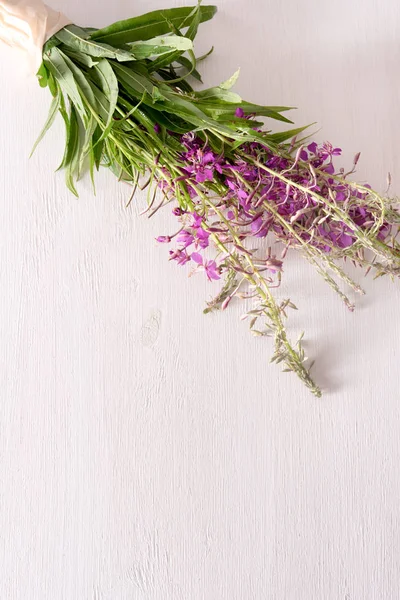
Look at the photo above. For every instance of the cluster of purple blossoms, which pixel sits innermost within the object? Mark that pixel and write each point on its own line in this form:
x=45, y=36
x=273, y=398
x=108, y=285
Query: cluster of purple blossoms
x=297, y=196
x=200, y=163
x=191, y=240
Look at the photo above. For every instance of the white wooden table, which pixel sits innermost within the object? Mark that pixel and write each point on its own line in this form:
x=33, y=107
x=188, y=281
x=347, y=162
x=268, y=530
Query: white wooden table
x=150, y=452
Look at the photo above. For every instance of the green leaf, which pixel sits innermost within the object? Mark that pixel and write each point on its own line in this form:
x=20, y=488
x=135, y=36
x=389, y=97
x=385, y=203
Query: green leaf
x=97, y=147
x=82, y=59
x=87, y=142
x=149, y=25
x=283, y=136
x=157, y=95
x=206, y=55
x=177, y=104
x=82, y=83
x=161, y=45
x=42, y=75
x=189, y=22
x=132, y=80
x=65, y=116
x=54, y=107
x=57, y=65
x=164, y=61
x=51, y=82
x=73, y=152
x=168, y=120
x=185, y=62
x=74, y=37
x=221, y=110
x=53, y=41
x=103, y=105
x=222, y=91
x=229, y=83
x=195, y=22
x=109, y=85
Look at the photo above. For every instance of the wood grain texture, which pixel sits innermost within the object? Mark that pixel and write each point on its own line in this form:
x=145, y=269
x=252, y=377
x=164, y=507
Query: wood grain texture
x=149, y=452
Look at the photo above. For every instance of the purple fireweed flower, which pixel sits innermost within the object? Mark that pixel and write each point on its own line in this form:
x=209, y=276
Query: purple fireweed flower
x=197, y=220
x=209, y=266
x=200, y=161
x=340, y=195
x=185, y=239
x=201, y=238
x=340, y=236
x=247, y=171
x=344, y=239
x=259, y=228
x=329, y=168
x=180, y=256
x=327, y=151
x=203, y=175
x=237, y=192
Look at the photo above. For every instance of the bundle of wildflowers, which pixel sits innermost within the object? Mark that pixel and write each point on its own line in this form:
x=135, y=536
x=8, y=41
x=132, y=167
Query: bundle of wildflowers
x=243, y=197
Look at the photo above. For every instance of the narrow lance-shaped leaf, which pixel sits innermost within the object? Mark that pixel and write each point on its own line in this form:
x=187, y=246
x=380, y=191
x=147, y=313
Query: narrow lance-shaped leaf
x=42, y=75
x=149, y=25
x=222, y=110
x=161, y=45
x=71, y=158
x=185, y=108
x=76, y=38
x=54, y=107
x=163, y=61
x=222, y=91
x=229, y=83
x=195, y=22
x=79, y=57
x=191, y=19
x=52, y=85
x=136, y=81
x=218, y=92
x=82, y=84
x=87, y=143
x=278, y=138
x=109, y=85
x=57, y=65
x=97, y=147
x=65, y=115
x=187, y=65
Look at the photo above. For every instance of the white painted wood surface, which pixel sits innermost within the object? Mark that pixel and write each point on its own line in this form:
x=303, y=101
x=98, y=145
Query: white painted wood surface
x=150, y=452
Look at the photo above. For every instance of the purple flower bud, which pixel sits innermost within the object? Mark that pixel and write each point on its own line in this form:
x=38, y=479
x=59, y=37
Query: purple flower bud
x=163, y=239
x=157, y=128
x=239, y=112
